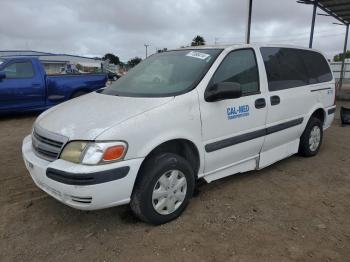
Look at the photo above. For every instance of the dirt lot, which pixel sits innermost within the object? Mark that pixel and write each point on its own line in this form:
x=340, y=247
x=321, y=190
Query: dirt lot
x=295, y=210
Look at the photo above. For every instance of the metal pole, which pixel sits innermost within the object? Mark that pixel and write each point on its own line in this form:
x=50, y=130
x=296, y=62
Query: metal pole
x=313, y=23
x=146, y=49
x=342, y=73
x=250, y=4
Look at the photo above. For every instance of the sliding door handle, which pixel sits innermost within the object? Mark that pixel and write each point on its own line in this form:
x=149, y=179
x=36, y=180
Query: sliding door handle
x=275, y=100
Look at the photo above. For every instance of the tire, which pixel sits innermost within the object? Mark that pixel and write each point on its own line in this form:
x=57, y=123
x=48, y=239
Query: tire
x=78, y=93
x=115, y=78
x=150, y=185
x=310, y=142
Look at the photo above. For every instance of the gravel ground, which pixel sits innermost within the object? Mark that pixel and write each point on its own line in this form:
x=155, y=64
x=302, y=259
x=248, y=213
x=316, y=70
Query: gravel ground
x=295, y=210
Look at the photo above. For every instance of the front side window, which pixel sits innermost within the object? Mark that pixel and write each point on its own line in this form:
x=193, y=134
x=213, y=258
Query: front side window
x=165, y=74
x=19, y=70
x=239, y=67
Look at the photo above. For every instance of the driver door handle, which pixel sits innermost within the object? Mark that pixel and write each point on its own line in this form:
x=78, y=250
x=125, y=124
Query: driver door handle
x=260, y=103
x=36, y=85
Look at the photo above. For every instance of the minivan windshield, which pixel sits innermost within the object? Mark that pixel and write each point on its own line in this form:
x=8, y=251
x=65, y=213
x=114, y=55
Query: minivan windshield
x=165, y=74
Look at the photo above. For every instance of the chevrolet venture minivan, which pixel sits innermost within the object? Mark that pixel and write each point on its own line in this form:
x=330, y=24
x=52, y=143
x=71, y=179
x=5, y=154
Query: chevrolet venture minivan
x=177, y=117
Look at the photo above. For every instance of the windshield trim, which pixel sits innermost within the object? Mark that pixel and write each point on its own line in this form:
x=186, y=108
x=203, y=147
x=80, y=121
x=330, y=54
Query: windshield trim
x=186, y=90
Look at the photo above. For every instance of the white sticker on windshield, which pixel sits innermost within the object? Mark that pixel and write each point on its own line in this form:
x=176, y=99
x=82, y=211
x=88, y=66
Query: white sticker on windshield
x=199, y=55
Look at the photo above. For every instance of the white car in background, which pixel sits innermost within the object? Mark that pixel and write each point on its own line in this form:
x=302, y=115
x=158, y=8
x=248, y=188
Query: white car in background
x=177, y=117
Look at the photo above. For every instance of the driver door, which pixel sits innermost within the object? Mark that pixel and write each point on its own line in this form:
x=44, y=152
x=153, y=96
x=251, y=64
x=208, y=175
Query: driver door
x=21, y=89
x=234, y=129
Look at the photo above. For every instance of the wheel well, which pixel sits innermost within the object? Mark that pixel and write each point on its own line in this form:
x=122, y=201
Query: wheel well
x=81, y=90
x=181, y=147
x=320, y=114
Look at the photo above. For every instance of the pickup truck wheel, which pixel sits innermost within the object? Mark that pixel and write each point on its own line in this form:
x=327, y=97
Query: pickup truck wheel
x=79, y=93
x=163, y=191
x=311, y=139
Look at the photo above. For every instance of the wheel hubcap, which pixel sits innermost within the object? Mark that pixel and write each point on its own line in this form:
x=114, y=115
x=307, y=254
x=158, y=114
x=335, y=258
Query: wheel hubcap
x=169, y=192
x=315, y=138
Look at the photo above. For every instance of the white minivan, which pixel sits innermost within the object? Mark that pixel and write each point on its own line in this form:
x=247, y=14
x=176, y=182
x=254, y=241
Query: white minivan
x=179, y=116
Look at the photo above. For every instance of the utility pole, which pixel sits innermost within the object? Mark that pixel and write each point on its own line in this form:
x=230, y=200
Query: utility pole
x=146, y=45
x=216, y=40
x=342, y=73
x=315, y=3
x=249, y=21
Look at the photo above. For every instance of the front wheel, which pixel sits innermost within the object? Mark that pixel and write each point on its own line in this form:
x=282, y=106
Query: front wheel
x=311, y=139
x=163, y=190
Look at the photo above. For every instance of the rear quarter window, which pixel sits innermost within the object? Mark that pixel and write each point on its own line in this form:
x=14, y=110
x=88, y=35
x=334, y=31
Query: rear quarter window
x=317, y=67
x=289, y=67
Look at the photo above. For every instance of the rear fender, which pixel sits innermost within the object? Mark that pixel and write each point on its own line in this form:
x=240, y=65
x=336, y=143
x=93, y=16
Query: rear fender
x=309, y=114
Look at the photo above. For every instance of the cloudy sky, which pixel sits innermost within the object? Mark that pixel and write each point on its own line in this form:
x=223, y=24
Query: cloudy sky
x=93, y=28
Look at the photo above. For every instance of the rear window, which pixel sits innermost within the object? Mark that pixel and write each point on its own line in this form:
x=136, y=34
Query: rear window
x=289, y=68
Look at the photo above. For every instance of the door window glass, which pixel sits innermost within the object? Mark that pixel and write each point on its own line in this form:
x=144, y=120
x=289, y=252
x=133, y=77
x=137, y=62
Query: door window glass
x=19, y=70
x=239, y=67
x=284, y=68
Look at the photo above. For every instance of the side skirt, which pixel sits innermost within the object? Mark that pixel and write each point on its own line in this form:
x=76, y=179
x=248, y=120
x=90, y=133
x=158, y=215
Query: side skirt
x=278, y=153
x=266, y=158
x=238, y=167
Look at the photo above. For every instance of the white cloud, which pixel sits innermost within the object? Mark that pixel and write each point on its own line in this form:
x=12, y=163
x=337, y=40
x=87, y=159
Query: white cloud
x=90, y=27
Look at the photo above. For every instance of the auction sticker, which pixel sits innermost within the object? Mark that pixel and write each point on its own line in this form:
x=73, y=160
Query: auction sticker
x=198, y=55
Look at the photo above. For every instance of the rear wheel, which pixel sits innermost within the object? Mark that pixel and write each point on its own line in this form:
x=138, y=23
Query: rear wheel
x=163, y=190
x=311, y=139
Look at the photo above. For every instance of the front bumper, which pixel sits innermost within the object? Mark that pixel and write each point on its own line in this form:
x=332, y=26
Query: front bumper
x=81, y=186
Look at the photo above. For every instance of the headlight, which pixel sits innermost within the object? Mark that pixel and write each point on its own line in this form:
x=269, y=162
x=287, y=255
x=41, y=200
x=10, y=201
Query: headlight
x=93, y=153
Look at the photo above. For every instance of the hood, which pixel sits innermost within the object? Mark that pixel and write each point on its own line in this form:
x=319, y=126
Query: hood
x=86, y=117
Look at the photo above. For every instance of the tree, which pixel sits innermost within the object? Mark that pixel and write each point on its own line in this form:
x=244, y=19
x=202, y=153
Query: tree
x=162, y=50
x=339, y=57
x=134, y=61
x=198, y=40
x=79, y=67
x=113, y=59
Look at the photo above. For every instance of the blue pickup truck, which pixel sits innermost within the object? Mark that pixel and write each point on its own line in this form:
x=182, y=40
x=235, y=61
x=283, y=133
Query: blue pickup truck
x=24, y=86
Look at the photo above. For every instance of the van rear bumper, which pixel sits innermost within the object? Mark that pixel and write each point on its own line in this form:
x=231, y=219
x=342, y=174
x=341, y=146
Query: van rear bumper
x=330, y=113
x=81, y=186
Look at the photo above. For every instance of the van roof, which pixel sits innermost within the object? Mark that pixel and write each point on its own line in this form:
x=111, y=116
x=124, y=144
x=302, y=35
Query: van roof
x=256, y=45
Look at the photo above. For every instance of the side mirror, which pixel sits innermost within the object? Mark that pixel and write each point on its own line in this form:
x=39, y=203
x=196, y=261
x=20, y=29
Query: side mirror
x=222, y=91
x=2, y=75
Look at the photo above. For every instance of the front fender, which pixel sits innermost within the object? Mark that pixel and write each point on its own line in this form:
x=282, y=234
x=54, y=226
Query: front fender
x=178, y=119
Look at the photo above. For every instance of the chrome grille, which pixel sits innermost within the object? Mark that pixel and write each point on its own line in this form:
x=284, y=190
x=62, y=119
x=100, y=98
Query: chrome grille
x=47, y=145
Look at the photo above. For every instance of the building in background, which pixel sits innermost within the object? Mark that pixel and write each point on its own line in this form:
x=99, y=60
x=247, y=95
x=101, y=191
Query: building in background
x=58, y=63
